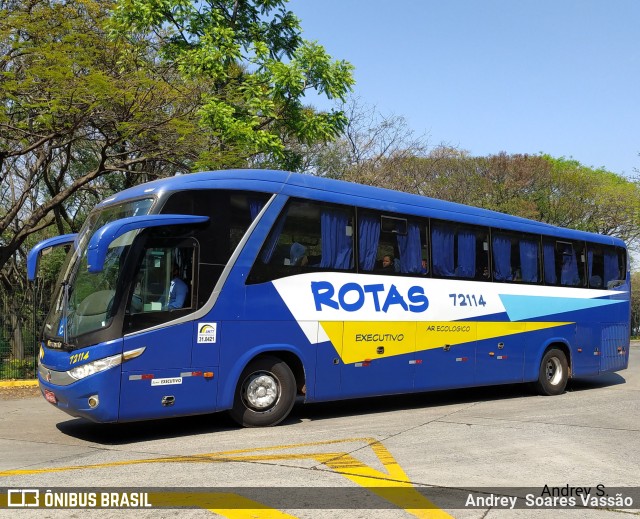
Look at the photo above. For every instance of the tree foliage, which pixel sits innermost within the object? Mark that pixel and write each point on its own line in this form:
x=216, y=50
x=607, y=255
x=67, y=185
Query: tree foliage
x=258, y=67
x=556, y=191
x=592, y=199
x=99, y=95
x=370, y=143
x=76, y=106
x=87, y=108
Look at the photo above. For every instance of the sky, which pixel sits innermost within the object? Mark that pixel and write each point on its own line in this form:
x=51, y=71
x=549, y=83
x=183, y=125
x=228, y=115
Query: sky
x=560, y=77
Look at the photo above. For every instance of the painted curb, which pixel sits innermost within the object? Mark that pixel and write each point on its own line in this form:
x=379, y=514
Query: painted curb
x=17, y=383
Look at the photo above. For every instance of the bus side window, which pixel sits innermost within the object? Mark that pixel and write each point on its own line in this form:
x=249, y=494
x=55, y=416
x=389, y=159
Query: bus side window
x=459, y=251
x=620, y=255
x=516, y=257
x=570, y=257
x=409, y=246
x=549, y=262
x=605, y=266
x=595, y=266
x=393, y=231
x=306, y=235
x=392, y=244
x=442, y=246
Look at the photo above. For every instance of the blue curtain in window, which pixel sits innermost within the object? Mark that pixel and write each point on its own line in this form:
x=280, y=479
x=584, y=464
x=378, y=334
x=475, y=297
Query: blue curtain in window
x=337, y=246
x=529, y=261
x=410, y=250
x=255, y=206
x=272, y=241
x=549, y=257
x=569, y=269
x=466, y=255
x=502, y=259
x=442, y=248
x=368, y=239
x=610, y=267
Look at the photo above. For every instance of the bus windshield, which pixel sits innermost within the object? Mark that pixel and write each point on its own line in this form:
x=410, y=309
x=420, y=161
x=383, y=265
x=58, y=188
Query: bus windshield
x=83, y=301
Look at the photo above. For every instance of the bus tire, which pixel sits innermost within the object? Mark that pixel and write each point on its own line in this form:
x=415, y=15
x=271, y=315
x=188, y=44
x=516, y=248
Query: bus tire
x=265, y=393
x=554, y=373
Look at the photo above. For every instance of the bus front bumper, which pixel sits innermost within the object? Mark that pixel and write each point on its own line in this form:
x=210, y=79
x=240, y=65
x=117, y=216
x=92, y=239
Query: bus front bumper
x=95, y=397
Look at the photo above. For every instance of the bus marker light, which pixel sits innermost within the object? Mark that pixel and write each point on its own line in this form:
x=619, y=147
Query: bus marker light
x=140, y=377
x=501, y=357
x=208, y=374
x=579, y=350
x=191, y=374
x=462, y=359
x=491, y=354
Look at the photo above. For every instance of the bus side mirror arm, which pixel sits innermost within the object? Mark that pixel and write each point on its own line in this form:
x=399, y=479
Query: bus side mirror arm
x=99, y=243
x=42, y=248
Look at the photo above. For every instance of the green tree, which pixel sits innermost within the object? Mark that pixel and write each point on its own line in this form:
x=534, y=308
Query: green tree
x=258, y=67
x=79, y=112
x=75, y=106
x=91, y=104
x=590, y=199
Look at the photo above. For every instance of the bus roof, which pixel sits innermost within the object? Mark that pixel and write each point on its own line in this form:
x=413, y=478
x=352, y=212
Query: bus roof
x=342, y=192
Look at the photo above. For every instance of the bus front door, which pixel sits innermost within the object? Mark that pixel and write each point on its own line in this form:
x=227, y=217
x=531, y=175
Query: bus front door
x=160, y=382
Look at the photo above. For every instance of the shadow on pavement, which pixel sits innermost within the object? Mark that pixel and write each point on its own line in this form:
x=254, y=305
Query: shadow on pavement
x=121, y=434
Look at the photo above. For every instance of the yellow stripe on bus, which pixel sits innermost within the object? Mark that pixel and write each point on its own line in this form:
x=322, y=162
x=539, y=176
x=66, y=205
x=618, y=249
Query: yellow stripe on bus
x=357, y=341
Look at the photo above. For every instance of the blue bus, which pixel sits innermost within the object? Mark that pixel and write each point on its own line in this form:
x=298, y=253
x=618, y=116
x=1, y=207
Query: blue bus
x=243, y=290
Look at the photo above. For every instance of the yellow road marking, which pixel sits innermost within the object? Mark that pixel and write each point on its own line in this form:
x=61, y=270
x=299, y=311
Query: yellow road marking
x=393, y=485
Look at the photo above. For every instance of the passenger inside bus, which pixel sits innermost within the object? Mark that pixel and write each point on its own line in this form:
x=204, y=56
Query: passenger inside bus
x=387, y=265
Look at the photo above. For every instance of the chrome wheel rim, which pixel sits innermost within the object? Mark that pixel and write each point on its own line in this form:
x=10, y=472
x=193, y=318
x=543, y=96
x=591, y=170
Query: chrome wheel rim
x=553, y=371
x=262, y=391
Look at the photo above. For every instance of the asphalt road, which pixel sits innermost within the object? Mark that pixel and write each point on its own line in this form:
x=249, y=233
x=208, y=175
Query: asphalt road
x=400, y=456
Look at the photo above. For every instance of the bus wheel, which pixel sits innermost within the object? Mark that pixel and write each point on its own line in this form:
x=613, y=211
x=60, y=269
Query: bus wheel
x=554, y=373
x=265, y=394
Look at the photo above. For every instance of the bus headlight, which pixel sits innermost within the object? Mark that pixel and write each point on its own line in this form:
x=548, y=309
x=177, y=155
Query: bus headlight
x=96, y=366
